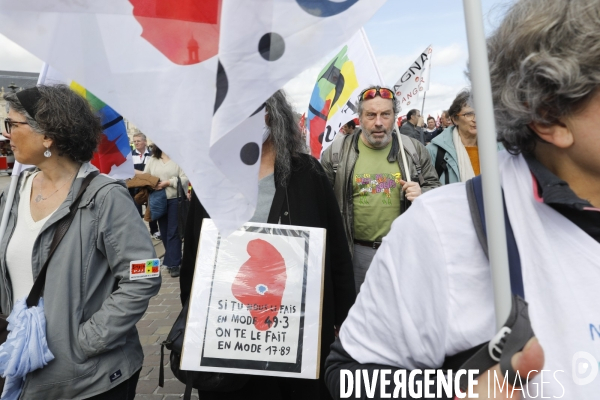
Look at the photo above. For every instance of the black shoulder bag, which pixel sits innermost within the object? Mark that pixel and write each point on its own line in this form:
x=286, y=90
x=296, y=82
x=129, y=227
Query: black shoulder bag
x=203, y=381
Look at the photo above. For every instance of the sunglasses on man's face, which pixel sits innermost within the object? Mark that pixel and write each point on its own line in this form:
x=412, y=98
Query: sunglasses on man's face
x=384, y=93
x=8, y=124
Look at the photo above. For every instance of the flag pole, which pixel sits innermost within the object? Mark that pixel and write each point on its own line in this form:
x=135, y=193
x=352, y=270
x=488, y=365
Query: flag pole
x=382, y=83
x=17, y=168
x=423, y=105
x=488, y=156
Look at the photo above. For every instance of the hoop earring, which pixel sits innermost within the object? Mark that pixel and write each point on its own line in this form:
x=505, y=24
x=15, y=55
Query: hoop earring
x=47, y=153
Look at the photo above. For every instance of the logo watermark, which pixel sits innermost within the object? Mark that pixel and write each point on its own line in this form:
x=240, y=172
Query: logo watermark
x=584, y=368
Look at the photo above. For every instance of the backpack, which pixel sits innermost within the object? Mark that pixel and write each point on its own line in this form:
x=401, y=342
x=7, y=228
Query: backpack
x=442, y=166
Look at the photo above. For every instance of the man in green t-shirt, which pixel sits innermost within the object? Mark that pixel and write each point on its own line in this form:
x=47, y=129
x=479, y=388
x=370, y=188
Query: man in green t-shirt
x=369, y=179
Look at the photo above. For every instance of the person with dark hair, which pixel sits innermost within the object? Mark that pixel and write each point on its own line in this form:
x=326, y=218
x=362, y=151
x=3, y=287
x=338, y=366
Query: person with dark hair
x=348, y=128
x=369, y=177
x=163, y=167
x=545, y=84
x=90, y=303
x=414, y=126
x=307, y=200
x=454, y=151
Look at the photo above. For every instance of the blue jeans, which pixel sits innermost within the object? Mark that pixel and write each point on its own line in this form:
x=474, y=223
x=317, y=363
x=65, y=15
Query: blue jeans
x=170, y=236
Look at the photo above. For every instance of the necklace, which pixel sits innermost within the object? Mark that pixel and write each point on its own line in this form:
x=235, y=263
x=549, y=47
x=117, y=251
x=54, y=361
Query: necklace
x=39, y=197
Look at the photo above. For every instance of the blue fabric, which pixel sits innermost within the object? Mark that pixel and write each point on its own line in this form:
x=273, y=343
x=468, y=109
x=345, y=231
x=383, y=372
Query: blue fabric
x=514, y=259
x=25, y=349
x=444, y=141
x=170, y=236
x=158, y=204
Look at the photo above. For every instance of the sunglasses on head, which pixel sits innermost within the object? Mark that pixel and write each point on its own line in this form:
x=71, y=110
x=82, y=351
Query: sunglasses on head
x=369, y=94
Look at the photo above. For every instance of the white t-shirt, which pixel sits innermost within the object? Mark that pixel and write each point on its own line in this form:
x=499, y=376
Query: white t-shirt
x=20, y=247
x=428, y=292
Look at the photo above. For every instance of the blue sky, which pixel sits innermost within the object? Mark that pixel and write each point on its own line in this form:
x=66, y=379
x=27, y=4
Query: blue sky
x=399, y=31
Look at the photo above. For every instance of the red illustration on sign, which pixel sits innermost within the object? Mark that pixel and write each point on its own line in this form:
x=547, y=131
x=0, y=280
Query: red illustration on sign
x=138, y=268
x=260, y=283
x=185, y=31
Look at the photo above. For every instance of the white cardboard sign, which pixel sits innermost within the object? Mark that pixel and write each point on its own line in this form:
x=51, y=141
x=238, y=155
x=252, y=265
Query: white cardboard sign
x=256, y=301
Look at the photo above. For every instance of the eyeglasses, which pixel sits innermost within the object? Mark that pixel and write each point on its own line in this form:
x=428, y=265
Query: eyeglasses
x=469, y=116
x=8, y=124
x=369, y=94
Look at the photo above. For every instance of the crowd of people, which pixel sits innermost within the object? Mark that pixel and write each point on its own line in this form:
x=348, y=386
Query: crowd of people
x=407, y=284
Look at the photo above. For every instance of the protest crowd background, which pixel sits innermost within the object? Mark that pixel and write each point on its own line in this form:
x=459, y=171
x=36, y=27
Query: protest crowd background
x=135, y=209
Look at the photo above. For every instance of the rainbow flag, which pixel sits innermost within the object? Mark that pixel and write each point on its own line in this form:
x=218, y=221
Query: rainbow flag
x=113, y=156
x=334, y=98
x=114, y=150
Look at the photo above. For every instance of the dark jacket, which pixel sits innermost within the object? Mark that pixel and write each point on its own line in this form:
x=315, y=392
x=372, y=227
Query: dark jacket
x=413, y=131
x=429, y=136
x=307, y=201
x=342, y=179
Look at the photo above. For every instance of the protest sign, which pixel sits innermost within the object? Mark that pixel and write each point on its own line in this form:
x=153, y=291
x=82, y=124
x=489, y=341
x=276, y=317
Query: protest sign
x=256, y=301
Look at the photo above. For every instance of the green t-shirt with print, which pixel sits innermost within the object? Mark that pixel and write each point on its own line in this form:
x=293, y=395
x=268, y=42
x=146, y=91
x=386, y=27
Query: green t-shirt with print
x=376, y=193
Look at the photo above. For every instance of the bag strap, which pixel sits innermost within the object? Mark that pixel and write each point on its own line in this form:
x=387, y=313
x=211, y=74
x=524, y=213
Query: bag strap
x=336, y=148
x=475, y=198
x=412, y=150
x=517, y=329
x=442, y=166
x=38, y=286
x=180, y=191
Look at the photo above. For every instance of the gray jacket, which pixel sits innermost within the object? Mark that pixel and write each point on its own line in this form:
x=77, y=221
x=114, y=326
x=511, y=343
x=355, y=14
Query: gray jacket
x=342, y=179
x=415, y=132
x=91, y=305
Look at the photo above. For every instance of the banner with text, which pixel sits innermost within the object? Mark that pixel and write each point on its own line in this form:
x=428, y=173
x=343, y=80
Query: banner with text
x=414, y=81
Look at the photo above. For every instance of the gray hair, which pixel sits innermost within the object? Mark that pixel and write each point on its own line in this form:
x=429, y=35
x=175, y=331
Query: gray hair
x=13, y=103
x=395, y=102
x=544, y=60
x=140, y=134
x=66, y=118
x=285, y=134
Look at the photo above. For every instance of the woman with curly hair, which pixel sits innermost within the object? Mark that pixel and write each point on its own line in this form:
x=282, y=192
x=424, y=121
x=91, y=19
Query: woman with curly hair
x=91, y=303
